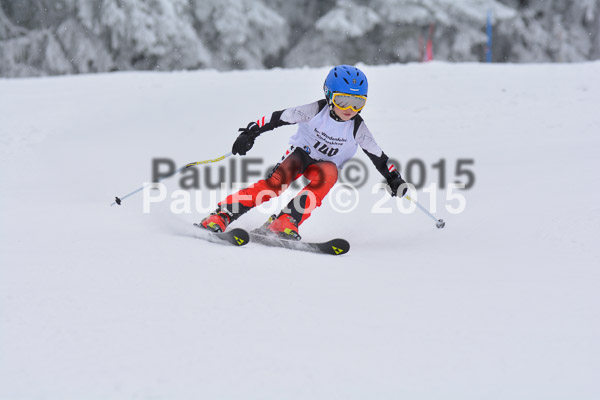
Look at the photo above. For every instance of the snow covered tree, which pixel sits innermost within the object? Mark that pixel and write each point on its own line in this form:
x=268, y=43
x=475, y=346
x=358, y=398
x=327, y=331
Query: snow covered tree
x=82, y=36
x=384, y=31
x=300, y=15
x=551, y=30
x=339, y=36
x=28, y=44
x=240, y=33
x=151, y=34
x=40, y=37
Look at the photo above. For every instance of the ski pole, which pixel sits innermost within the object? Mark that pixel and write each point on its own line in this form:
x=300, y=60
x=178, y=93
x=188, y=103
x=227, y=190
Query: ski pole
x=439, y=223
x=118, y=200
x=208, y=161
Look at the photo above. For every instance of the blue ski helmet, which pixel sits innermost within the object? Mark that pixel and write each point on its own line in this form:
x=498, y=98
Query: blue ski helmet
x=345, y=79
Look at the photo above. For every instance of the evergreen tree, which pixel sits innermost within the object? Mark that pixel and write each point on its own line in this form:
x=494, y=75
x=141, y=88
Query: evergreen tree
x=48, y=37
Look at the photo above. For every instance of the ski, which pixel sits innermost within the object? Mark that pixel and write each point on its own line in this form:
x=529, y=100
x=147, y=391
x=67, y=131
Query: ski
x=334, y=247
x=237, y=236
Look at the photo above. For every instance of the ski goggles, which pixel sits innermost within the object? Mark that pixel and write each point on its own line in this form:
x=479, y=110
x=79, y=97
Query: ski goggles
x=345, y=101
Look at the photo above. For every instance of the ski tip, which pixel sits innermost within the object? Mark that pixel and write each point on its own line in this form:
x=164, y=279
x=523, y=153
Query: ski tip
x=336, y=247
x=238, y=237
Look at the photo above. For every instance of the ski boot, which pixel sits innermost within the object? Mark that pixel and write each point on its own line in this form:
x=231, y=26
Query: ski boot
x=216, y=221
x=284, y=226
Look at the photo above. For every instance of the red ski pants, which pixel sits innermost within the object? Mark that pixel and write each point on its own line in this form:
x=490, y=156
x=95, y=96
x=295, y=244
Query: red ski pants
x=321, y=174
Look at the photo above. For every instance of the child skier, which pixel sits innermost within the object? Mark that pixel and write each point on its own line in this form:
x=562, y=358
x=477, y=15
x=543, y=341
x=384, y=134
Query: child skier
x=329, y=133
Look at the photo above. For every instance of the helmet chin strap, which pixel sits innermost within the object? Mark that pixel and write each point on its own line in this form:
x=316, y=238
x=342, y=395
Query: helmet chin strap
x=333, y=115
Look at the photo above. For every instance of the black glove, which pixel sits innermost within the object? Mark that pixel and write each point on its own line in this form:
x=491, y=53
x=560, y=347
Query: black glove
x=395, y=181
x=245, y=140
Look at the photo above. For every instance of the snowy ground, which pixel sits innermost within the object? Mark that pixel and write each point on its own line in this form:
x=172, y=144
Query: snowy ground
x=100, y=302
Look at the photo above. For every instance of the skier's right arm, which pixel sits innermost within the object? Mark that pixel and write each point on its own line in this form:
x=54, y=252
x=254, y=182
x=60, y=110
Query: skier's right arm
x=289, y=116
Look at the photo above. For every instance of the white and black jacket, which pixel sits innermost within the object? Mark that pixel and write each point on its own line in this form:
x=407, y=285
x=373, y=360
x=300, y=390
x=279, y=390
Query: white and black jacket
x=327, y=138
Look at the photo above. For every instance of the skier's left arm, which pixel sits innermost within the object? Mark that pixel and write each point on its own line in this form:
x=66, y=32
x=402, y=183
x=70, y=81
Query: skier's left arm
x=367, y=142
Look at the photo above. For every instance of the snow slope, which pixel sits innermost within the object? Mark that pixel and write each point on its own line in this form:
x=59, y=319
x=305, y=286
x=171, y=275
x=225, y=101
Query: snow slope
x=101, y=302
